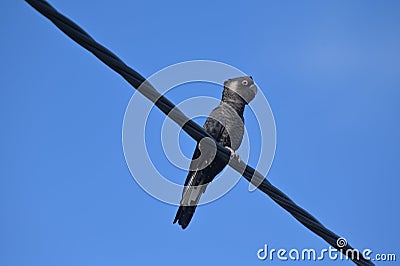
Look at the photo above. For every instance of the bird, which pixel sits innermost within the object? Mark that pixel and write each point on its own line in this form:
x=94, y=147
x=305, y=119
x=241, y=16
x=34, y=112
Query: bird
x=226, y=125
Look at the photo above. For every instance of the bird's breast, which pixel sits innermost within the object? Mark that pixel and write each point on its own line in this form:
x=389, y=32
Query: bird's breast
x=232, y=122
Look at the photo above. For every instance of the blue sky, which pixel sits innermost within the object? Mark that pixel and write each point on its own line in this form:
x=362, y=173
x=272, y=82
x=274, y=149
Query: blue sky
x=330, y=71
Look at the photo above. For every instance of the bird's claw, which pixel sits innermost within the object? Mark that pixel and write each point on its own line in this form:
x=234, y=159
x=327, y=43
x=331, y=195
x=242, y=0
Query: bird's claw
x=234, y=155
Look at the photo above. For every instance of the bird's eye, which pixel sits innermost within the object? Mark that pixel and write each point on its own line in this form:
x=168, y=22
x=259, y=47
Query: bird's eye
x=245, y=82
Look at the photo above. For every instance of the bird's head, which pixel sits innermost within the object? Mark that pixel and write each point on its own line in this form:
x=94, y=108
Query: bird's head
x=241, y=88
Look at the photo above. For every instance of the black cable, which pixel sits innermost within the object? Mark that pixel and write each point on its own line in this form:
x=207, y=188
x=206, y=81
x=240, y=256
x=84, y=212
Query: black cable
x=190, y=127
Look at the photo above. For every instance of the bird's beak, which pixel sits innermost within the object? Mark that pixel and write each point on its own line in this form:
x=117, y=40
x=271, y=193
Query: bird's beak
x=253, y=88
x=249, y=94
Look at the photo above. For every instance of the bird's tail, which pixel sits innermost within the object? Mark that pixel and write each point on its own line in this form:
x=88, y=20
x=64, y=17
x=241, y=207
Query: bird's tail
x=184, y=215
x=190, y=199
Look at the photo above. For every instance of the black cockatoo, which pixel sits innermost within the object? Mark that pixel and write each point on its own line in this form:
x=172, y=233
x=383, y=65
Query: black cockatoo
x=226, y=125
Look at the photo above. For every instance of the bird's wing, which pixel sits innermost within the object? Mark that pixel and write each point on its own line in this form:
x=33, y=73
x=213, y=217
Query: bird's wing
x=192, y=191
x=198, y=176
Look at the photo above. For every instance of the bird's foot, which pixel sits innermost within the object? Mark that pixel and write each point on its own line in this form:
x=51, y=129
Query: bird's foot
x=234, y=155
